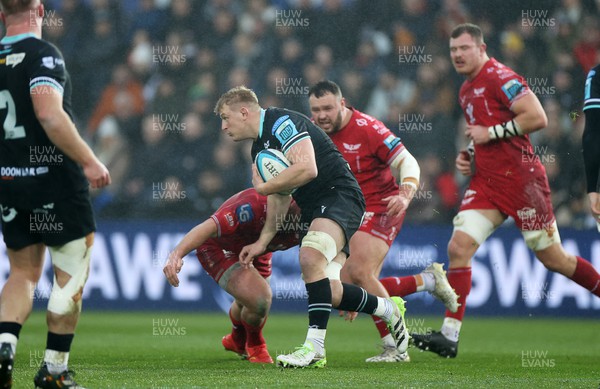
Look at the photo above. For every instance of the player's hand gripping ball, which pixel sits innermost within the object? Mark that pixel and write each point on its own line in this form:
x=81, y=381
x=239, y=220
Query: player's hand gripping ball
x=270, y=163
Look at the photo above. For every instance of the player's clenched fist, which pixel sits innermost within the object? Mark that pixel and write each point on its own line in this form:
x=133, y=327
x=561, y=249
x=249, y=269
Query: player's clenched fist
x=463, y=163
x=97, y=174
x=478, y=134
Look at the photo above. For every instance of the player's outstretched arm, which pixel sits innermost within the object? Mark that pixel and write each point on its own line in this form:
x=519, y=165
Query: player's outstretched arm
x=62, y=132
x=196, y=237
x=277, y=207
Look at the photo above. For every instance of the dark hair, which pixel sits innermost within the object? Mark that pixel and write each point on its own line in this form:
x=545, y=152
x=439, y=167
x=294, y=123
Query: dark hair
x=468, y=28
x=321, y=88
x=10, y=7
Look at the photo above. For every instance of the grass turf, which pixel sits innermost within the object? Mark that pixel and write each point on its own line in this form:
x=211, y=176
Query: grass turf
x=183, y=350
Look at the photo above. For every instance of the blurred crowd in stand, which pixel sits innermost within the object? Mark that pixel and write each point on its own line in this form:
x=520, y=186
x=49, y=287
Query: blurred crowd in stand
x=147, y=73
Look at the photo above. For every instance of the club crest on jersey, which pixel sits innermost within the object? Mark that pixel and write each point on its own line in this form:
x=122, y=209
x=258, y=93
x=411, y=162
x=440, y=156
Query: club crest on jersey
x=512, y=88
x=352, y=148
x=14, y=59
x=284, y=129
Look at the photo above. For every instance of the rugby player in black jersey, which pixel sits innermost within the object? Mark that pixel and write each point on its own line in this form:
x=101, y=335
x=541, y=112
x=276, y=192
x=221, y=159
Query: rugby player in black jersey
x=45, y=171
x=332, y=206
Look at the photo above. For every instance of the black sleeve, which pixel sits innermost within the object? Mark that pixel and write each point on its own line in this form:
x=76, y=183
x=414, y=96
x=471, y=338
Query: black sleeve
x=47, y=68
x=591, y=149
x=591, y=132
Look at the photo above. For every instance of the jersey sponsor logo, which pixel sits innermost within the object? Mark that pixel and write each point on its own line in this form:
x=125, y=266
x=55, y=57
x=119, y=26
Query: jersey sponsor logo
x=229, y=218
x=14, y=59
x=352, y=148
x=469, y=196
x=244, y=213
x=391, y=141
x=284, y=130
x=8, y=173
x=8, y=214
x=512, y=88
x=526, y=214
x=52, y=62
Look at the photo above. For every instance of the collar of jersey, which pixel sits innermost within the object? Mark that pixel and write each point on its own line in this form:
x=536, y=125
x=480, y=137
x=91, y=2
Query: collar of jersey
x=262, y=120
x=15, y=38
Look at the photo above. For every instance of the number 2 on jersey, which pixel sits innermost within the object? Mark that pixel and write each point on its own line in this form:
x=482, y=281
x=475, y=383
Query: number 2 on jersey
x=11, y=130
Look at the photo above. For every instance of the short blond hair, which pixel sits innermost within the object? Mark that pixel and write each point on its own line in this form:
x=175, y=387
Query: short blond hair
x=238, y=94
x=10, y=7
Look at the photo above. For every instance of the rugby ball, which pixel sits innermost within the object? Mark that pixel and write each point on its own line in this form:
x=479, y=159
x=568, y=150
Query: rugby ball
x=270, y=163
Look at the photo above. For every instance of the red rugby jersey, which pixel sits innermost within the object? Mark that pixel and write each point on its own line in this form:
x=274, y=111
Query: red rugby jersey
x=369, y=147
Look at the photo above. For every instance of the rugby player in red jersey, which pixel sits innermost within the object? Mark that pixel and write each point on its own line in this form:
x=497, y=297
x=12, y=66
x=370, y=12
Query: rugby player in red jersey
x=509, y=180
x=218, y=241
x=375, y=156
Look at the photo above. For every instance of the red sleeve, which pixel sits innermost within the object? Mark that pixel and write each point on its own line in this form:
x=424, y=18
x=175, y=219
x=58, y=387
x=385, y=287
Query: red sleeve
x=509, y=86
x=226, y=220
x=384, y=144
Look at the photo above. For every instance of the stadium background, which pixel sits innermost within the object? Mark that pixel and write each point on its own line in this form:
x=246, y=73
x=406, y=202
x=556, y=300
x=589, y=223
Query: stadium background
x=146, y=75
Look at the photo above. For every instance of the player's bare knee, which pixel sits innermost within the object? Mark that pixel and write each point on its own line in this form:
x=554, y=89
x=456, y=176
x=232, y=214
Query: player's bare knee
x=458, y=254
x=262, y=306
x=360, y=278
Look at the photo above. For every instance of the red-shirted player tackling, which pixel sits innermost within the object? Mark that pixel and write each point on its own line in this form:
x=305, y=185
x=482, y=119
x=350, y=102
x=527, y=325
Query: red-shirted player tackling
x=509, y=179
x=218, y=242
x=372, y=151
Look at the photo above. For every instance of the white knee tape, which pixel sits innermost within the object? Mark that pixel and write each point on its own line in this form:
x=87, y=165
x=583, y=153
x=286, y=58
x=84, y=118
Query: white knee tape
x=473, y=224
x=72, y=258
x=332, y=271
x=542, y=239
x=322, y=242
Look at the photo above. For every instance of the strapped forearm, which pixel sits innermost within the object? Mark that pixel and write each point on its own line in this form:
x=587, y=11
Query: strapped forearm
x=505, y=130
x=408, y=169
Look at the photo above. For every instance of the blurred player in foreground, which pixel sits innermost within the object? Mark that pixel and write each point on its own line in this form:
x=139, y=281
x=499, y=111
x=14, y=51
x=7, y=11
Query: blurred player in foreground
x=591, y=140
x=331, y=204
x=218, y=242
x=375, y=156
x=509, y=179
x=44, y=194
